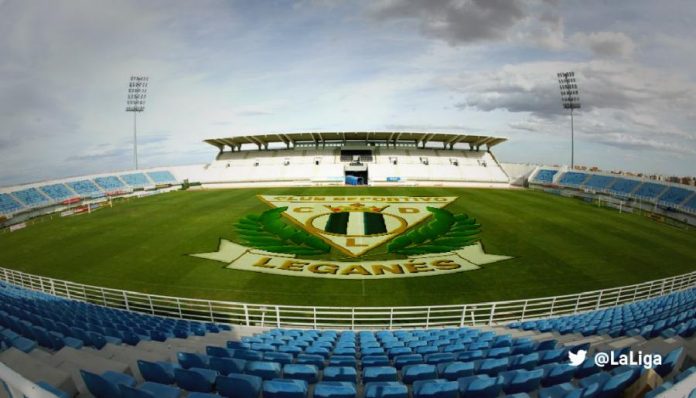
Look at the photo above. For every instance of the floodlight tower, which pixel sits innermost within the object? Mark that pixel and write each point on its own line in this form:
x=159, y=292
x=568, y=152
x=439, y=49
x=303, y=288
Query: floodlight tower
x=137, y=93
x=570, y=97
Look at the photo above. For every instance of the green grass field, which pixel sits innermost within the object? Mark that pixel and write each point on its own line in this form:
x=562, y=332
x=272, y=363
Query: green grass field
x=560, y=246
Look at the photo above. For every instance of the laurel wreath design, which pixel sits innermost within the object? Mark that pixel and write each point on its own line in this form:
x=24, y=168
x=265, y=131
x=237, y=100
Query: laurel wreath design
x=267, y=231
x=446, y=232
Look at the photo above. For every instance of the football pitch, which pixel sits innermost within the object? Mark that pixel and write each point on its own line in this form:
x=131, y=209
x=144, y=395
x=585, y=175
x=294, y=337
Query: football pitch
x=559, y=246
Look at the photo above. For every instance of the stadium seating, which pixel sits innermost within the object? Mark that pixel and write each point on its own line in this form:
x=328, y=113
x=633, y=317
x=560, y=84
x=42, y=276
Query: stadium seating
x=448, y=363
x=8, y=204
x=58, y=192
x=109, y=183
x=669, y=315
x=649, y=190
x=84, y=188
x=162, y=177
x=599, y=182
x=675, y=195
x=544, y=176
x=31, y=318
x=691, y=204
x=31, y=197
x=624, y=186
x=572, y=178
x=135, y=180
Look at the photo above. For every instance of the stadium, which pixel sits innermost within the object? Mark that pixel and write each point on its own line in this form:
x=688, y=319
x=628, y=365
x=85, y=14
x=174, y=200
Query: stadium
x=347, y=199
x=292, y=258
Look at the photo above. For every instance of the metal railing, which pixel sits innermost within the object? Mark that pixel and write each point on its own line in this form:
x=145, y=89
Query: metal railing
x=289, y=316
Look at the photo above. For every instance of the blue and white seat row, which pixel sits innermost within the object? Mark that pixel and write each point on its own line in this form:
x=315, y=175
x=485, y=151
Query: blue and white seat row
x=662, y=193
x=22, y=199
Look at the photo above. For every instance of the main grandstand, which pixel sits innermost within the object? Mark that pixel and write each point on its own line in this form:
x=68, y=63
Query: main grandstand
x=390, y=213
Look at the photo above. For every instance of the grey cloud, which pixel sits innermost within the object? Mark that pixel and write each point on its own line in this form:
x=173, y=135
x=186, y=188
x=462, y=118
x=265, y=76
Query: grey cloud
x=465, y=21
x=609, y=132
x=631, y=141
x=533, y=88
x=606, y=44
x=624, y=105
x=426, y=127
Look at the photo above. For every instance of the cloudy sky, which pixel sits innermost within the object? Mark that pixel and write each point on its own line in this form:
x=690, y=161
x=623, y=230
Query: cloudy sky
x=225, y=68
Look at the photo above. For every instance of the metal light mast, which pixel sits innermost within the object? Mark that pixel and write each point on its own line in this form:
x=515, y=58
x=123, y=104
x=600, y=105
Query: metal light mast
x=570, y=97
x=137, y=93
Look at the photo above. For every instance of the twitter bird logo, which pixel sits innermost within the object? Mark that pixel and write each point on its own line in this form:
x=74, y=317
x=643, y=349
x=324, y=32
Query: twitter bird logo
x=577, y=359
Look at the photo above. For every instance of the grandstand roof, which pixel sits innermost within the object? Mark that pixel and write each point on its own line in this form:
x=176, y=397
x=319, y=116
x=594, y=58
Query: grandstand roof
x=387, y=137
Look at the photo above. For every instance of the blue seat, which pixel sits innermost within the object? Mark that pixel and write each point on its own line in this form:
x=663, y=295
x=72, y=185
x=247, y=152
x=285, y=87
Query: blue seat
x=557, y=391
x=616, y=384
x=237, y=344
x=21, y=343
x=282, y=358
x=158, y=335
x=412, y=373
x=470, y=355
x=340, y=373
x=437, y=388
x=586, y=369
x=375, y=360
x=248, y=355
x=284, y=388
x=440, y=357
x=515, y=381
x=308, y=373
x=107, y=384
x=402, y=360
x=310, y=359
x=215, y=351
x=344, y=351
x=150, y=390
x=343, y=360
x=371, y=351
x=379, y=373
x=263, y=369
x=526, y=347
x=43, y=339
x=189, y=360
x=499, y=352
x=130, y=338
x=598, y=378
x=392, y=352
x=290, y=349
x=335, y=389
x=225, y=366
x=386, y=389
x=493, y=366
x=158, y=372
x=480, y=386
x=195, y=379
x=557, y=374
x=454, y=370
x=318, y=351
x=524, y=361
x=547, y=345
x=549, y=356
x=238, y=385
x=669, y=362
